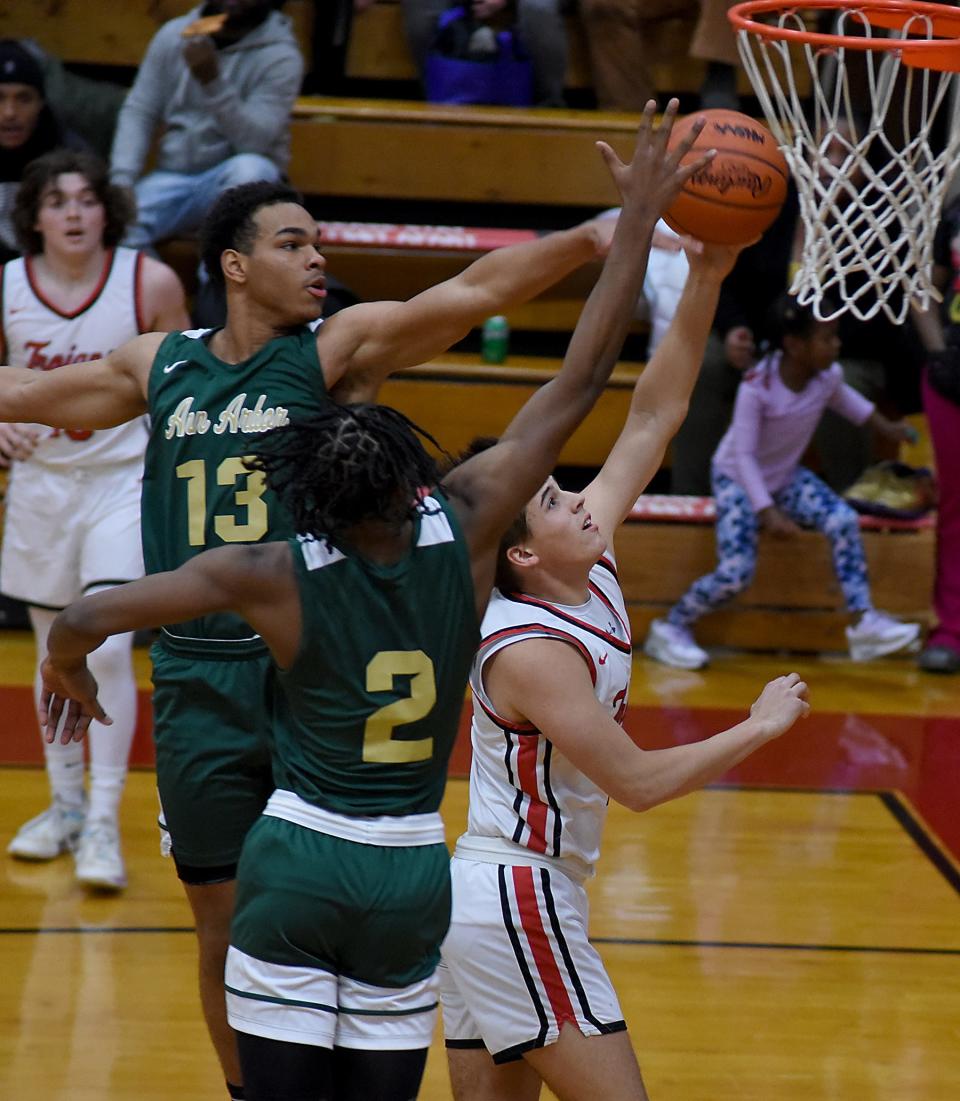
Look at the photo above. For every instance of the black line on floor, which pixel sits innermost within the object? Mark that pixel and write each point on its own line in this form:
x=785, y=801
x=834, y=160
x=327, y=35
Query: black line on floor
x=642, y=942
x=779, y=789
x=862, y=949
x=921, y=837
x=99, y=929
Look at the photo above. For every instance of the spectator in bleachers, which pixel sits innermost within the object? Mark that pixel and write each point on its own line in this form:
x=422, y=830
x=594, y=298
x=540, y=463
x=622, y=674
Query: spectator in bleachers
x=539, y=25
x=219, y=99
x=941, y=403
x=28, y=129
x=329, y=43
x=759, y=483
x=624, y=42
x=715, y=43
x=88, y=107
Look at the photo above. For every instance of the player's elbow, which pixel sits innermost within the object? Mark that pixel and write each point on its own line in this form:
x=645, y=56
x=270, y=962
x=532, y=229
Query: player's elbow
x=635, y=798
x=672, y=414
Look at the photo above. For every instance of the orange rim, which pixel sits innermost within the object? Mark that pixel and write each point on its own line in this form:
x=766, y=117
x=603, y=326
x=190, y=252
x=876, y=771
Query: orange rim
x=941, y=53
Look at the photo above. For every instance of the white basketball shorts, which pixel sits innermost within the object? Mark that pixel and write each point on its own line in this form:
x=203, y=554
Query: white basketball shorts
x=517, y=965
x=69, y=530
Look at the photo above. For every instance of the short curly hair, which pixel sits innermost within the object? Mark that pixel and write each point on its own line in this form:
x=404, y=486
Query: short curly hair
x=118, y=203
x=230, y=221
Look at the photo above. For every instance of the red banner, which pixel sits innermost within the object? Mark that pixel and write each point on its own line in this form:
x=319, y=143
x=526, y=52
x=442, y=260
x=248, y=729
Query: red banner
x=446, y=238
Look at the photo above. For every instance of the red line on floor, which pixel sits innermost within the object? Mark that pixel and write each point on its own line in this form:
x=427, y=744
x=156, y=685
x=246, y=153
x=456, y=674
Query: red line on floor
x=917, y=755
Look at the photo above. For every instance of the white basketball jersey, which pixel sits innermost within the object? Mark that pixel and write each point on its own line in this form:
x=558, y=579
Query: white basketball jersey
x=522, y=790
x=41, y=336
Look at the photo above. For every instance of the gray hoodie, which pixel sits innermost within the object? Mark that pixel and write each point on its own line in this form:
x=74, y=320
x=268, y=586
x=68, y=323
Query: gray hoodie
x=245, y=110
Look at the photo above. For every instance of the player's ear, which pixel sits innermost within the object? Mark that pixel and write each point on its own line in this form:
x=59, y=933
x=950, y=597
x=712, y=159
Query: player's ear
x=521, y=557
x=233, y=264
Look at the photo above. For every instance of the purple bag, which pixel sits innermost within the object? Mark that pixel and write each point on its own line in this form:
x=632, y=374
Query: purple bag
x=504, y=79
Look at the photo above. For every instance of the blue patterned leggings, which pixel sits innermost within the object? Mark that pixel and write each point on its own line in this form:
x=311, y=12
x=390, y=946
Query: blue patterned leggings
x=808, y=502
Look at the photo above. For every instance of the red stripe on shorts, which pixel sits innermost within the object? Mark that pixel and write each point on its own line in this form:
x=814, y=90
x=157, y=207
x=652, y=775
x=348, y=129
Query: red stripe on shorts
x=540, y=946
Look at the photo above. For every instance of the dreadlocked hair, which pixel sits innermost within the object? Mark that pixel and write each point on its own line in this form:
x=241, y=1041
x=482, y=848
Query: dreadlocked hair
x=345, y=464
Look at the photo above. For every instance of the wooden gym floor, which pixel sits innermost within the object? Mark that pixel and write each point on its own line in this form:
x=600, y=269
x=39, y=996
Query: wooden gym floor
x=790, y=935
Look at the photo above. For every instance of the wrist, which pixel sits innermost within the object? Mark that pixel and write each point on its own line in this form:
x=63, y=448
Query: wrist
x=758, y=730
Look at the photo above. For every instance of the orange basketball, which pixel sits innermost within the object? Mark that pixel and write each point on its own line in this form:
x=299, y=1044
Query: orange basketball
x=739, y=194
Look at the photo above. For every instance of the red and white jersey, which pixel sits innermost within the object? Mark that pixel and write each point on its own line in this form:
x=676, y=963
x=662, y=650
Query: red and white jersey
x=525, y=796
x=40, y=335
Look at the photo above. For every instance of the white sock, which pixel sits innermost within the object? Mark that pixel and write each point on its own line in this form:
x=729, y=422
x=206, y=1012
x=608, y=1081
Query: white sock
x=64, y=762
x=112, y=665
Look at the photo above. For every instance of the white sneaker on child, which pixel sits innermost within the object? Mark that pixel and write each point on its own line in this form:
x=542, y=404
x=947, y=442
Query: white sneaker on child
x=672, y=645
x=878, y=633
x=49, y=834
x=99, y=862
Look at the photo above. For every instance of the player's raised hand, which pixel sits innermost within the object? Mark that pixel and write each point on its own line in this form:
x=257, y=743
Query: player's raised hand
x=76, y=689
x=711, y=260
x=654, y=175
x=780, y=704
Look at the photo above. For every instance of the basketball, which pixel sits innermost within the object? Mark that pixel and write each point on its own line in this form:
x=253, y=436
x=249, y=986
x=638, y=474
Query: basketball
x=739, y=194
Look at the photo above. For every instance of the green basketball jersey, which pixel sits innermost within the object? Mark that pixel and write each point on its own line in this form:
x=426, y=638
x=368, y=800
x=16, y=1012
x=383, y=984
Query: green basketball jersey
x=205, y=415
x=368, y=712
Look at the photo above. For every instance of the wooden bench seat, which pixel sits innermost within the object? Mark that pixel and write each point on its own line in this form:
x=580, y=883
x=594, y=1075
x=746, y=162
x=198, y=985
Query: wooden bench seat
x=393, y=149
x=457, y=397
x=794, y=602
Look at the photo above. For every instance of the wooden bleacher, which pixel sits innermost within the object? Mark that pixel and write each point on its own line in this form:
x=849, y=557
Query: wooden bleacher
x=794, y=603
x=458, y=397
x=389, y=149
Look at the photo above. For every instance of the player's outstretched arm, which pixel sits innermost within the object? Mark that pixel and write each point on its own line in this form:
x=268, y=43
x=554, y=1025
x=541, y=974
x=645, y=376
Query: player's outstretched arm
x=662, y=393
x=100, y=393
x=364, y=344
x=547, y=683
x=255, y=581
x=496, y=484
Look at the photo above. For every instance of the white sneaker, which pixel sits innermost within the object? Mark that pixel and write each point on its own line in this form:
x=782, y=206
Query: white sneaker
x=878, y=633
x=99, y=862
x=51, y=833
x=674, y=646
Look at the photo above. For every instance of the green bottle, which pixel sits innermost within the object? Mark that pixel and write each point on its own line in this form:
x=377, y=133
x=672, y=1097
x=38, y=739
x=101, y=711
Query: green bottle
x=496, y=340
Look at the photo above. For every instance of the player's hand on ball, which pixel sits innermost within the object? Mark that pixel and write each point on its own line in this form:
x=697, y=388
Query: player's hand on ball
x=780, y=704
x=712, y=261
x=654, y=176
x=77, y=689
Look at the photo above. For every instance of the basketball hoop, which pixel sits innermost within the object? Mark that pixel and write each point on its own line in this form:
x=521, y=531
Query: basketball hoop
x=870, y=183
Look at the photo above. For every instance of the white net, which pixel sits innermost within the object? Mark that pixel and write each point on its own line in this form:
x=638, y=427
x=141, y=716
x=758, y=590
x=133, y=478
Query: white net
x=872, y=143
